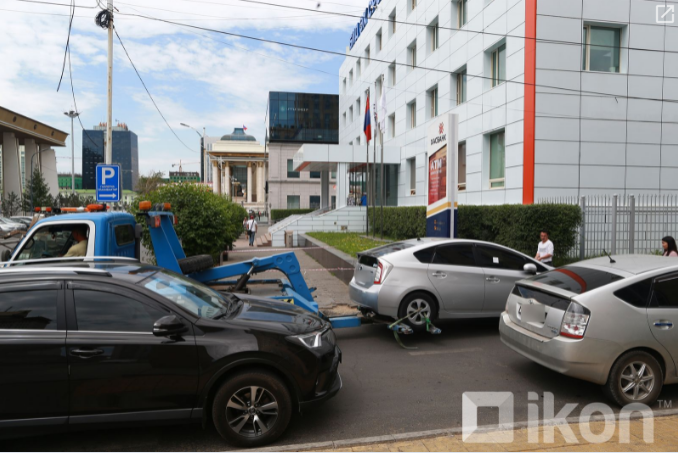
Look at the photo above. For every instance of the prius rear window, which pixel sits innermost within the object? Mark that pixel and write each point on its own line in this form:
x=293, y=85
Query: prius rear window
x=576, y=279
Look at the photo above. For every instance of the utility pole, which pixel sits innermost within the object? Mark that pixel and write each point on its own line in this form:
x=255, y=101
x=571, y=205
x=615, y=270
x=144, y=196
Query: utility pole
x=109, y=124
x=72, y=114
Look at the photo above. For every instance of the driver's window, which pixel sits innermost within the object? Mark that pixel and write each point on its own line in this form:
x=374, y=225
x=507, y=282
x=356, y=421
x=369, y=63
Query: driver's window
x=55, y=241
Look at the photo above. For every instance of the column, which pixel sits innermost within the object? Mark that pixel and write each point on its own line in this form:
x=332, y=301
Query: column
x=216, y=180
x=342, y=184
x=227, y=178
x=11, y=164
x=49, y=171
x=324, y=189
x=30, y=150
x=249, y=182
x=261, y=195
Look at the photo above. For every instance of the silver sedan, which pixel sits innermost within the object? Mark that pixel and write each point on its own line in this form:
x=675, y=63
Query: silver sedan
x=438, y=278
x=611, y=321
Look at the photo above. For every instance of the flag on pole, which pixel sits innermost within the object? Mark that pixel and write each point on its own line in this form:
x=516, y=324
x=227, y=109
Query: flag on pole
x=382, y=110
x=244, y=128
x=367, y=128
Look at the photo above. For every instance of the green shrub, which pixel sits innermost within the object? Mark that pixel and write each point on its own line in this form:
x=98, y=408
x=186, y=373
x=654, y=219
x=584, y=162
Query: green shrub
x=515, y=226
x=279, y=214
x=207, y=223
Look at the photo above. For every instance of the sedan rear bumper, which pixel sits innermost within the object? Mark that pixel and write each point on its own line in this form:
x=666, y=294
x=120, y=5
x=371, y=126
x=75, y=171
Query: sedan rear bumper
x=587, y=359
x=365, y=297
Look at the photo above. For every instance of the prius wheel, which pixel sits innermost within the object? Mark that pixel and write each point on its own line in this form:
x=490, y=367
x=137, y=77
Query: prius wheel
x=417, y=307
x=636, y=377
x=252, y=409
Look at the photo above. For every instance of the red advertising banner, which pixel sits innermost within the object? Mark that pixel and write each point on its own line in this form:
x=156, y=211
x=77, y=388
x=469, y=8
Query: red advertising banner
x=437, y=176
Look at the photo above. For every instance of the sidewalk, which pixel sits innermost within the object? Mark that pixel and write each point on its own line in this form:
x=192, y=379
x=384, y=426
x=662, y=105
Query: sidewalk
x=664, y=438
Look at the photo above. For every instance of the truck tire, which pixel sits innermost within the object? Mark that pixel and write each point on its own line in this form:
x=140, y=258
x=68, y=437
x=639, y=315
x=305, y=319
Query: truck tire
x=195, y=264
x=250, y=420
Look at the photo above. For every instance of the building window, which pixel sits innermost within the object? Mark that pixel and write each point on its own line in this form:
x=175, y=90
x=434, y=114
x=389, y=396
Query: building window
x=462, y=14
x=392, y=74
x=314, y=201
x=434, y=35
x=344, y=85
x=357, y=69
x=412, y=175
x=412, y=114
x=367, y=56
x=358, y=112
x=413, y=4
x=412, y=55
x=461, y=170
x=391, y=124
x=378, y=41
x=497, y=160
x=350, y=77
x=315, y=175
x=392, y=20
x=290, y=169
x=499, y=66
x=293, y=202
x=357, y=141
x=344, y=118
x=461, y=86
x=433, y=102
x=601, y=49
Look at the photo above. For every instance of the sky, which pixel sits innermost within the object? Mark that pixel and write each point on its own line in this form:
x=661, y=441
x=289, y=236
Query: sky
x=196, y=77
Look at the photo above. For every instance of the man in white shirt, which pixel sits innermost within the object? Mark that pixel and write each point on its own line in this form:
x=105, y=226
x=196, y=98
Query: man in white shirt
x=251, y=229
x=545, y=249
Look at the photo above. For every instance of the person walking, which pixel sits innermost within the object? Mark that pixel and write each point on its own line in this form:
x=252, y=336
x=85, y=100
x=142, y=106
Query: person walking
x=669, y=246
x=545, y=249
x=244, y=224
x=252, y=229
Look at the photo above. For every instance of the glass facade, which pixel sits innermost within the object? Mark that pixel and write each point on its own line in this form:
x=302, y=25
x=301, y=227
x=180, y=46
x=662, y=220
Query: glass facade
x=303, y=118
x=125, y=153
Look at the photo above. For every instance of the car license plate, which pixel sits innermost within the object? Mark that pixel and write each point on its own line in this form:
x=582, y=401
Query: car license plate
x=532, y=312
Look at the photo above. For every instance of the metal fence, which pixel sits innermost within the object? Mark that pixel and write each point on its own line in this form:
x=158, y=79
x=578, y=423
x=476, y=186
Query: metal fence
x=621, y=225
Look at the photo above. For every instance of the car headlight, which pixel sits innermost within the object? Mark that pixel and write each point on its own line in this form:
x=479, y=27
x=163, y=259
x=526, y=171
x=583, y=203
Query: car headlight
x=310, y=340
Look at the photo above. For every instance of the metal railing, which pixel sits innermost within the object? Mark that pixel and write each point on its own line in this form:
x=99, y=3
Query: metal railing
x=622, y=224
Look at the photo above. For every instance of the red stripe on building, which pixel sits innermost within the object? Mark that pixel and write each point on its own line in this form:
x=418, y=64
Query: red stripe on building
x=529, y=118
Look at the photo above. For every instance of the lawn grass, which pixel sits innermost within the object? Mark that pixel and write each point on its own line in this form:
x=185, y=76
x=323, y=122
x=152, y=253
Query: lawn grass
x=349, y=243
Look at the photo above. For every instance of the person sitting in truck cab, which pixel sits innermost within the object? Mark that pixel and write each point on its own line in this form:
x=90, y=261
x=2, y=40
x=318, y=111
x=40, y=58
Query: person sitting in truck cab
x=79, y=234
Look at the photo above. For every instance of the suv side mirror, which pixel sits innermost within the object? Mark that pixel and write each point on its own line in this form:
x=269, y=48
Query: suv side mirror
x=169, y=326
x=530, y=268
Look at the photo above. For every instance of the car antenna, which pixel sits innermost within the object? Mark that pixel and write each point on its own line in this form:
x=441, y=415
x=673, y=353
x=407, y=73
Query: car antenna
x=608, y=255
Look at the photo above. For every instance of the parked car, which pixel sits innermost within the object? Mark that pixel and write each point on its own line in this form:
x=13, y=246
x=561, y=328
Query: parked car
x=11, y=225
x=609, y=321
x=438, y=278
x=121, y=342
x=26, y=220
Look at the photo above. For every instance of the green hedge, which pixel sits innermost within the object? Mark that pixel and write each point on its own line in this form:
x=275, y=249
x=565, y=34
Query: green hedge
x=515, y=226
x=279, y=214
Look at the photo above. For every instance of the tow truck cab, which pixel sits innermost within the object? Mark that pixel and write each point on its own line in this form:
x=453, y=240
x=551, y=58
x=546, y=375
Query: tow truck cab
x=107, y=233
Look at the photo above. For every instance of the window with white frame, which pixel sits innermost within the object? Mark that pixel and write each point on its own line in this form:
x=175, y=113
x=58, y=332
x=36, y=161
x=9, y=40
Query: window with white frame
x=344, y=85
x=461, y=170
x=357, y=70
x=434, y=35
x=357, y=141
x=412, y=115
x=461, y=86
x=499, y=66
x=350, y=77
x=350, y=114
x=497, y=159
x=391, y=125
x=392, y=74
x=290, y=169
x=413, y=4
x=433, y=102
x=393, y=22
x=412, y=55
x=358, y=111
x=601, y=49
x=462, y=15
x=378, y=41
x=293, y=201
x=344, y=118
x=367, y=56
x=412, y=175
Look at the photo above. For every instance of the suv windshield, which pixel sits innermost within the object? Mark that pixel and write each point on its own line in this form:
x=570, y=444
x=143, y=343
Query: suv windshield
x=189, y=294
x=575, y=279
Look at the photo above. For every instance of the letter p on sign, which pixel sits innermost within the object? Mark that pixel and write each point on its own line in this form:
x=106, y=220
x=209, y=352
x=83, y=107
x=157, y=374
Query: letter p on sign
x=106, y=174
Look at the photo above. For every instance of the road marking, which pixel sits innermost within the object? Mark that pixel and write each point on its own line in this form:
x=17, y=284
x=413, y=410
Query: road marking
x=446, y=351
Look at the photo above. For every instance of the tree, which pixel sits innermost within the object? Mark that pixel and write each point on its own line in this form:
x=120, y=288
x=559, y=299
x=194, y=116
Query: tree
x=37, y=191
x=207, y=223
x=149, y=183
x=10, y=204
x=71, y=200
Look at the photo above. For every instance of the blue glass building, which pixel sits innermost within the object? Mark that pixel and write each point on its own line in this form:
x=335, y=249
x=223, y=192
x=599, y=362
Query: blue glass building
x=125, y=153
x=303, y=118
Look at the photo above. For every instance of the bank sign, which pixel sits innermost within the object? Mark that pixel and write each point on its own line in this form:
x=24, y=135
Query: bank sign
x=362, y=23
x=441, y=212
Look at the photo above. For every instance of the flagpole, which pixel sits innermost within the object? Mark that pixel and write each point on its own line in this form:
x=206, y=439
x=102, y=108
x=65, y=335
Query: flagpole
x=383, y=176
x=367, y=166
x=373, y=174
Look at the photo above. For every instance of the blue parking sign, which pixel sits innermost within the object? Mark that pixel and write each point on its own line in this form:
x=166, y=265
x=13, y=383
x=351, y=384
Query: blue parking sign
x=108, y=183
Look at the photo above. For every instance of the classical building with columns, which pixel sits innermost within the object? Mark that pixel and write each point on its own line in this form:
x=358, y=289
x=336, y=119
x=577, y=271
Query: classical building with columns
x=26, y=144
x=239, y=169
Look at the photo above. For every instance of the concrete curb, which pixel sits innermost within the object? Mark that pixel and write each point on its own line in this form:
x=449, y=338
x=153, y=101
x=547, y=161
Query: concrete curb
x=328, y=257
x=348, y=443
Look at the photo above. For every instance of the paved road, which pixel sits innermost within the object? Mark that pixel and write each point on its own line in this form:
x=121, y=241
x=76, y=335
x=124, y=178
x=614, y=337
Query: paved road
x=386, y=390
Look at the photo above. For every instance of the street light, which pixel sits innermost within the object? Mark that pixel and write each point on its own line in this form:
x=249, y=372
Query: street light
x=72, y=114
x=202, y=150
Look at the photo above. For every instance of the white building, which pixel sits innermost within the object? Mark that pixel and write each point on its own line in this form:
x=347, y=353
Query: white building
x=542, y=110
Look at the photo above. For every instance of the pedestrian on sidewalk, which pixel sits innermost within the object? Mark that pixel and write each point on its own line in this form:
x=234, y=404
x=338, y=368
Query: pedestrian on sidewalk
x=669, y=246
x=252, y=229
x=545, y=249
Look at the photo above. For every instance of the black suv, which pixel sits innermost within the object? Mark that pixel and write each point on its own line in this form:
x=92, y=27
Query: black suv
x=123, y=342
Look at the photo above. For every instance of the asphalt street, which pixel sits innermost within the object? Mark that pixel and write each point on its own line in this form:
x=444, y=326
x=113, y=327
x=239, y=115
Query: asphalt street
x=386, y=390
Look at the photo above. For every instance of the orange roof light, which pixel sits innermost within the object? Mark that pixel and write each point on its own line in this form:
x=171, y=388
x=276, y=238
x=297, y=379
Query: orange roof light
x=95, y=207
x=167, y=206
x=144, y=206
x=48, y=209
x=37, y=209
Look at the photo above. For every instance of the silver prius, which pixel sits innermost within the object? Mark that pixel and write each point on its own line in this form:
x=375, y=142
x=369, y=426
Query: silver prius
x=612, y=321
x=438, y=278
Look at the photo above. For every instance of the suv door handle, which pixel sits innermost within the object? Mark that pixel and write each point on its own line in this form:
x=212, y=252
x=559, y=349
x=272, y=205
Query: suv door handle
x=439, y=274
x=663, y=324
x=86, y=353
x=492, y=279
